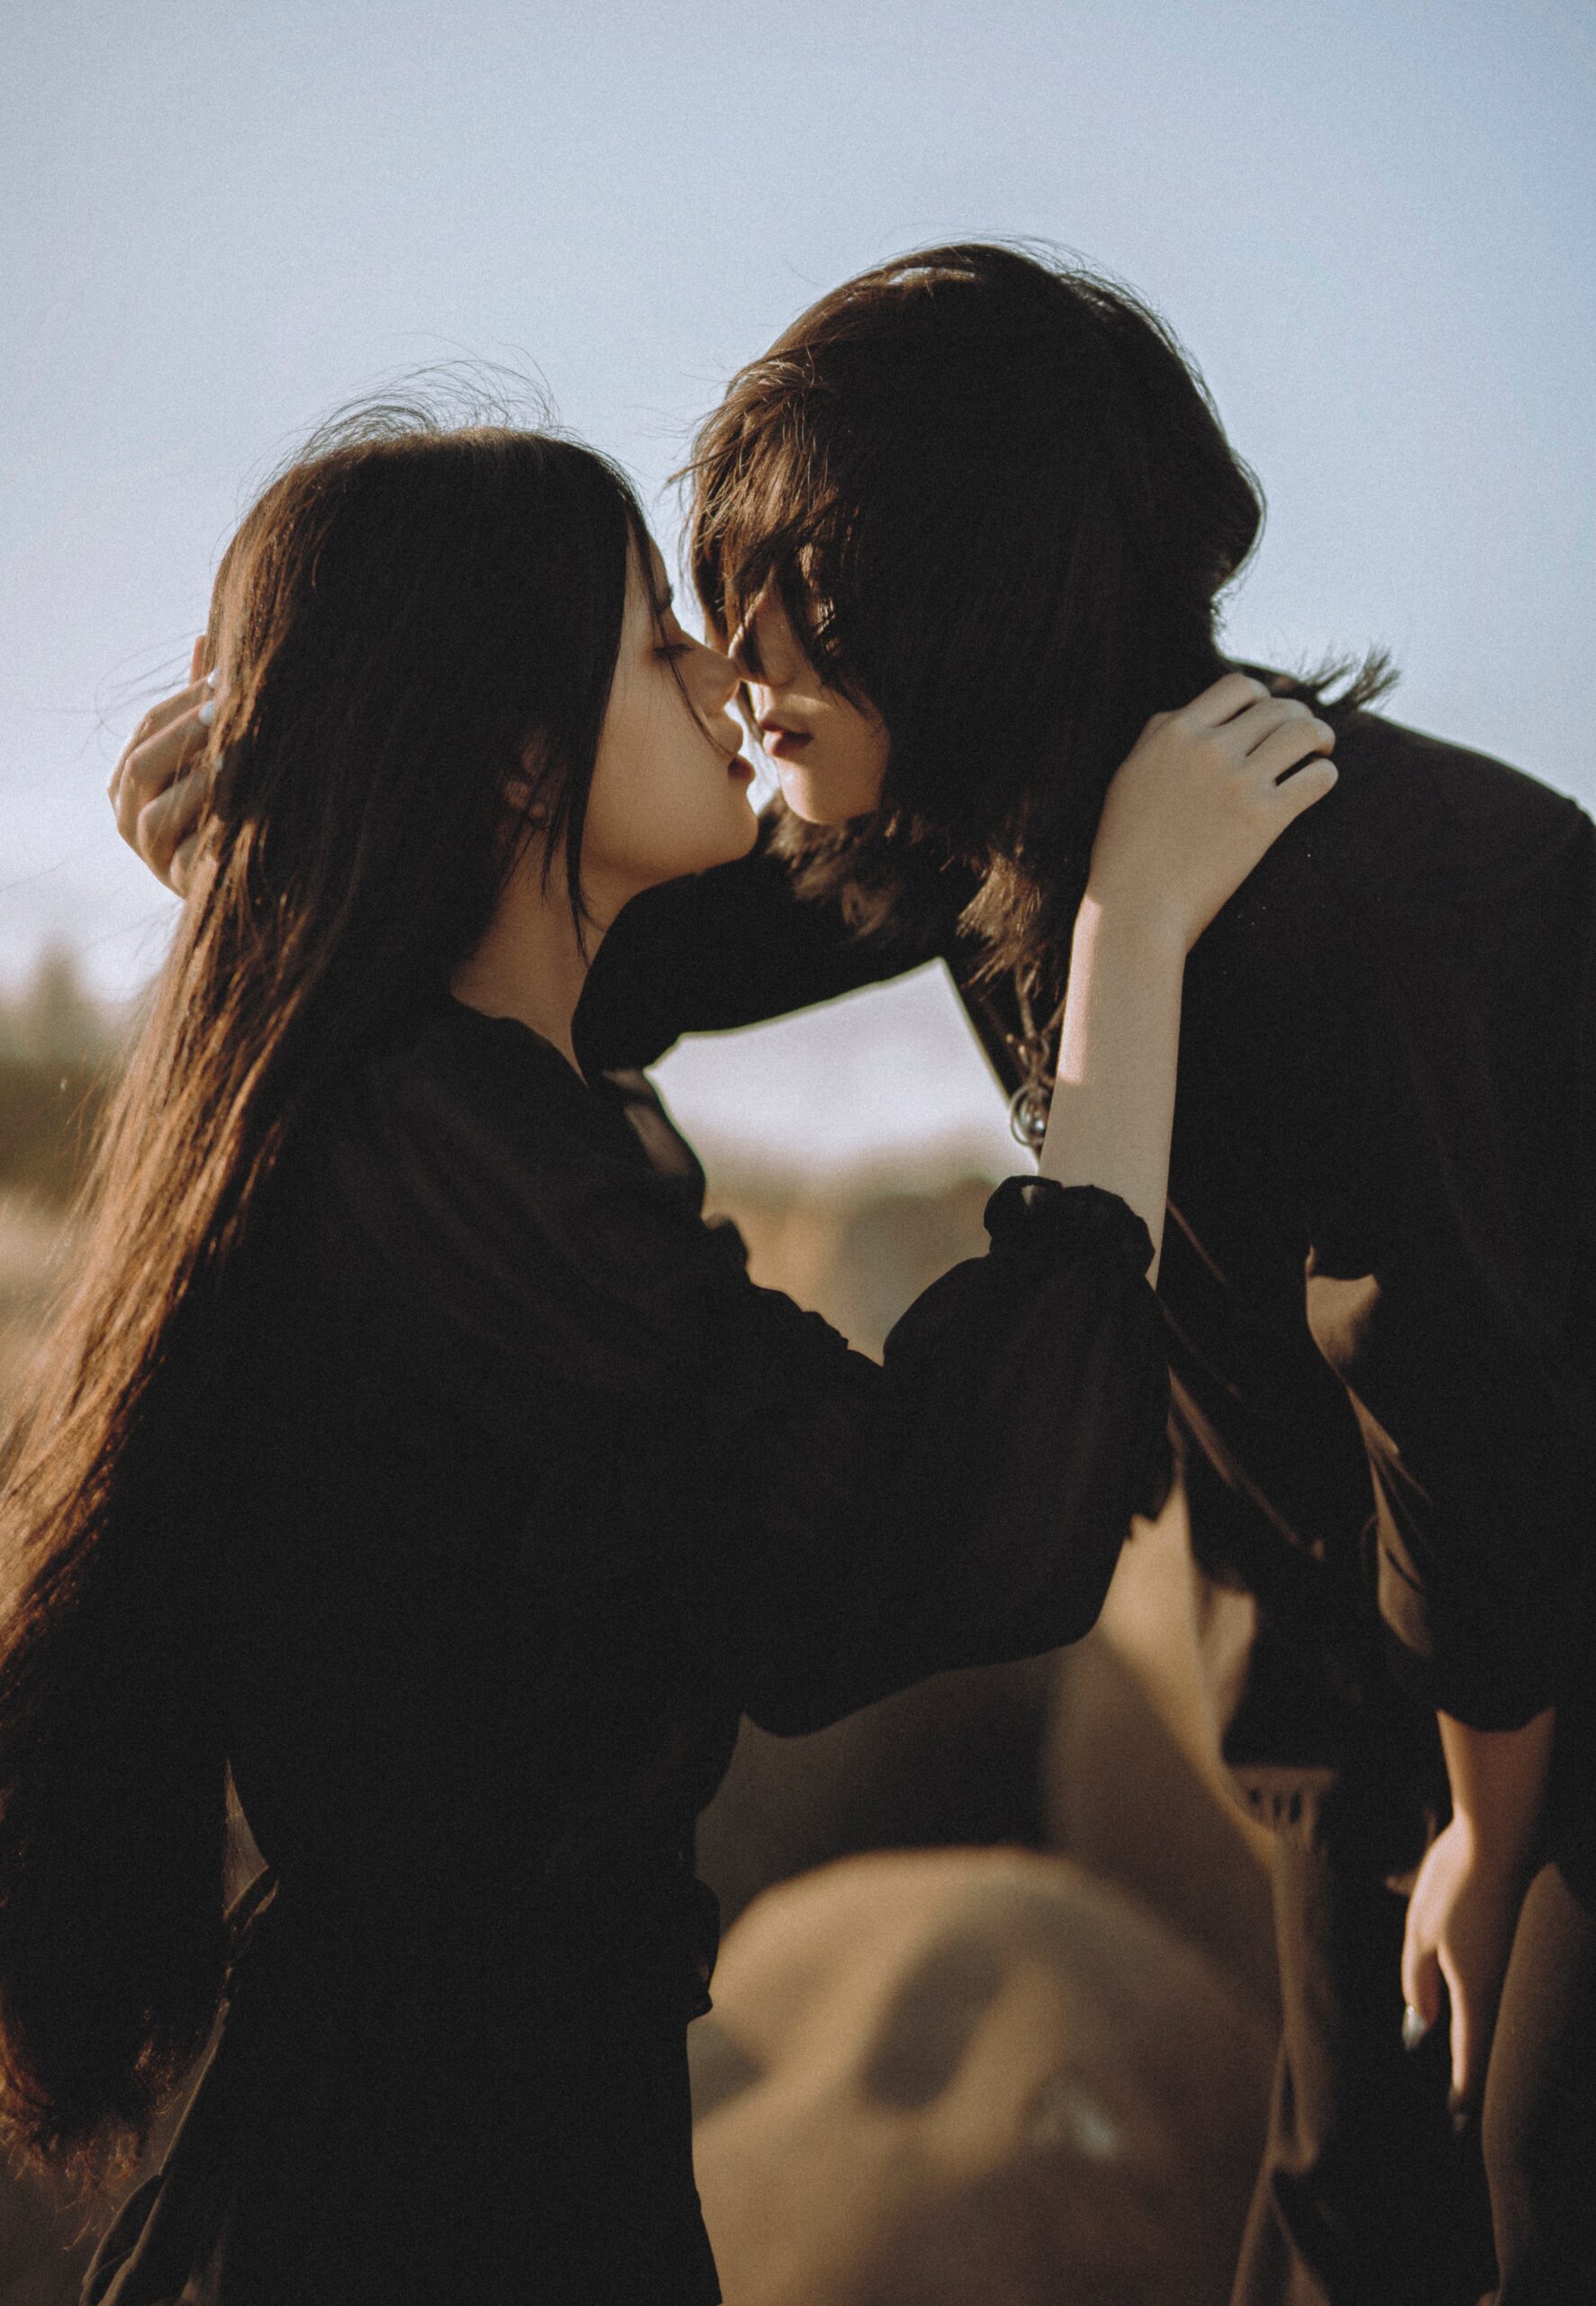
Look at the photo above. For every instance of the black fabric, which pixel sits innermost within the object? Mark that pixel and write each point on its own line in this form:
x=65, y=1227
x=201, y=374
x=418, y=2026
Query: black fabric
x=1379, y=1277
x=525, y=1493
x=1378, y=1291
x=1368, y=2197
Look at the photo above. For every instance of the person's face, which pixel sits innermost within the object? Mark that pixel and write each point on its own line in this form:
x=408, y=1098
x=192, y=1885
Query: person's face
x=829, y=753
x=670, y=790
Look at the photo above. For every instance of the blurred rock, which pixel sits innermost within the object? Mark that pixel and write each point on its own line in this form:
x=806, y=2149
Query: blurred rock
x=1131, y=1782
x=973, y=2078
x=858, y=1249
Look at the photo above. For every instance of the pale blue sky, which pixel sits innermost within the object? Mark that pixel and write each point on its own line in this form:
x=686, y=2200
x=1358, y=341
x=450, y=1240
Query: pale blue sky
x=1370, y=219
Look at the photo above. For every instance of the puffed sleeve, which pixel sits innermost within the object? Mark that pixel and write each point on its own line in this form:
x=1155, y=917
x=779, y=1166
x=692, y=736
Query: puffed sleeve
x=1465, y=1327
x=823, y=1527
x=965, y=1502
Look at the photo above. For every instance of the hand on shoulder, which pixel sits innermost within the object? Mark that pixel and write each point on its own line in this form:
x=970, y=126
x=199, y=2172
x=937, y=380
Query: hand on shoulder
x=1202, y=795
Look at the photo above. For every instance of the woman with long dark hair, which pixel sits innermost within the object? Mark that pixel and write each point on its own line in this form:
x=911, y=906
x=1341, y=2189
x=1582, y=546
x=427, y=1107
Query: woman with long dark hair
x=410, y=1448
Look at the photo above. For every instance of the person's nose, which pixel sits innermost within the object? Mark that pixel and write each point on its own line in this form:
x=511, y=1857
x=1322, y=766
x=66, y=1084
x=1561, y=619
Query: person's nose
x=723, y=675
x=762, y=647
x=714, y=681
x=737, y=656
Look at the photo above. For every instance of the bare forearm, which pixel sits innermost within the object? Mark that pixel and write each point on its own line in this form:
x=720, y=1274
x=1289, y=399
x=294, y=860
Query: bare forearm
x=1113, y=1106
x=1189, y=812
x=1498, y=1779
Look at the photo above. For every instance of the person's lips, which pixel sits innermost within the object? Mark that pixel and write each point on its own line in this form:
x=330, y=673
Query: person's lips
x=740, y=771
x=780, y=742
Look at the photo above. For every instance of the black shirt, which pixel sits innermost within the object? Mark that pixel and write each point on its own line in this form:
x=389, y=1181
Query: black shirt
x=526, y=1494
x=1379, y=1279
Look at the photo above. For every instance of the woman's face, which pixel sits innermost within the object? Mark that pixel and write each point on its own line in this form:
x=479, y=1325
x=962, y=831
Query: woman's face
x=830, y=754
x=670, y=789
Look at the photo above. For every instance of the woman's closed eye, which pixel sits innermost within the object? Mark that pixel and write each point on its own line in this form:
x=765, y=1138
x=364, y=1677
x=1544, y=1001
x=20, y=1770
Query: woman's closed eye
x=672, y=641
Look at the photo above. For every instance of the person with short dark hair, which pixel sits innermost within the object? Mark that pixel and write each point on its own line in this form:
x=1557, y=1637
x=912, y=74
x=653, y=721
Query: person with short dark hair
x=964, y=527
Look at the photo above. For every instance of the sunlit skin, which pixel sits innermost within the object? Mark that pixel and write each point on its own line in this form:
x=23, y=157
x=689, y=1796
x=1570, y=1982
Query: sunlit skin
x=670, y=796
x=830, y=754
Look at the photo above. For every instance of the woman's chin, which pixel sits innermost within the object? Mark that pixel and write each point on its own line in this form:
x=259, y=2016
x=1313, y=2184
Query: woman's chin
x=722, y=844
x=819, y=800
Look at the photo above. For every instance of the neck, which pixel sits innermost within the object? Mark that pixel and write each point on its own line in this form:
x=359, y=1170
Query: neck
x=530, y=965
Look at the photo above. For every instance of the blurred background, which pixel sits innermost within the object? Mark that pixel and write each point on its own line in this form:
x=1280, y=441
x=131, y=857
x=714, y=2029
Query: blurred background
x=1372, y=222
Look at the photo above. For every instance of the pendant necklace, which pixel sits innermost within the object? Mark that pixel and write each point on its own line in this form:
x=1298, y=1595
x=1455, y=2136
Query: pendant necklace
x=1035, y=1053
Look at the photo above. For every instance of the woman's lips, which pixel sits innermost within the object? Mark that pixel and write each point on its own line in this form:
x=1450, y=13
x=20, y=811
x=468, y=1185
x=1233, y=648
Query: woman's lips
x=783, y=744
x=740, y=771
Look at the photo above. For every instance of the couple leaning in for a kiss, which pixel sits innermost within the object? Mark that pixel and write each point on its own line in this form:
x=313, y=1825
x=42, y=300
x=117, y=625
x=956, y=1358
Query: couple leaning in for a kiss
x=407, y=1446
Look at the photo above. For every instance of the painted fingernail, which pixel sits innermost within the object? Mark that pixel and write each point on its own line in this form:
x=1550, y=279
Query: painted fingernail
x=206, y=715
x=1414, y=2027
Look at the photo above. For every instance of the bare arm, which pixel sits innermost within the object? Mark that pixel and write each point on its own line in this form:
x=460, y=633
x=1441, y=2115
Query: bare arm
x=1113, y=1105
x=1465, y=1905
x=1498, y=1779
x=1195, y=807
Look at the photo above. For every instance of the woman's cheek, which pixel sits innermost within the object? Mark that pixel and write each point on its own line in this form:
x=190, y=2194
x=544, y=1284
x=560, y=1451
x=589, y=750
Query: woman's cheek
x=797, y=789
x=712, y=823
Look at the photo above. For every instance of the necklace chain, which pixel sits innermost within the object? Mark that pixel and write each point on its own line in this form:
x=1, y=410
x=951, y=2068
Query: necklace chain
x=1035, y=1049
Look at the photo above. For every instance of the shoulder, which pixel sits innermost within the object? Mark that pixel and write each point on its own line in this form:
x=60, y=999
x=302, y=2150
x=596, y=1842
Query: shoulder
x=466, y=1178
x=493, y=1070
x=1416, y=818
x=1419, y=835
x=468, y=1135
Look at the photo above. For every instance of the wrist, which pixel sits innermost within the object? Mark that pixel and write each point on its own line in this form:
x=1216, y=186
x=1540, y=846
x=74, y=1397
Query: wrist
x=1498, y=1781
x=1121, y=921
x=1494, y=1849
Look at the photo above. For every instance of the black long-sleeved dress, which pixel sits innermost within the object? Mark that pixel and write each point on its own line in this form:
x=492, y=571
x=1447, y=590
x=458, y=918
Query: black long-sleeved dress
x=1379, y=1276
x=524, y=1494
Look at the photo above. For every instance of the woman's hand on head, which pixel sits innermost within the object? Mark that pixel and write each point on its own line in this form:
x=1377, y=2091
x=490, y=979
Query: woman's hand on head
x=157, y=790
x=1199, y=799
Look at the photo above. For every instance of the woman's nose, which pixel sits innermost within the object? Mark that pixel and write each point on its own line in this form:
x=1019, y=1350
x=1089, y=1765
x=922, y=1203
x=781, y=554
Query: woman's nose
x=726, y=675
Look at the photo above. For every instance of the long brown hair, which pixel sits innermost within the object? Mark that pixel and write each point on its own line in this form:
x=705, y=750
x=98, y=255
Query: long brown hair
x=992, y=491
x=411, y=622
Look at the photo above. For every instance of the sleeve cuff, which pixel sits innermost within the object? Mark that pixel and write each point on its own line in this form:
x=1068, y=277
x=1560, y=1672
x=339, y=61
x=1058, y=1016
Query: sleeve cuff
x=1491, y=1687
x=1030, y=1213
